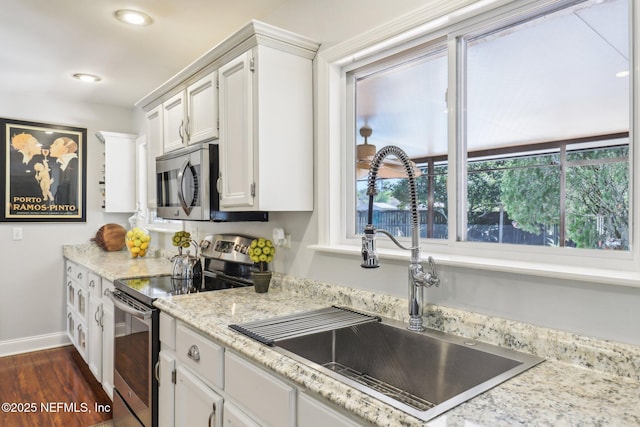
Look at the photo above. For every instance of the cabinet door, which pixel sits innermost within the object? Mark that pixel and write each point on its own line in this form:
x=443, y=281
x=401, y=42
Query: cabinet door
x=236, y=184
x=202, y=109
x=108, y=335
x=312, y=413
x=234, y=417
x=196, y=404
x=71, y=326
x=154, y=149
x=94, y=284
x=173, y=122
x=94, y=335
x=82, y=302
x=166, y=389
x=81, y=339
x=269, y=398
x=119, y=172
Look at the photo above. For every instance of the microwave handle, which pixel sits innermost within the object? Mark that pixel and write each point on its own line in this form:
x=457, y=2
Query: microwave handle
x=186, y=208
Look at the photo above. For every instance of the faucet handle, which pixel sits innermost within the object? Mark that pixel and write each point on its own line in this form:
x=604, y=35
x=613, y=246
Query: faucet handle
x=369, y=254
x=432, y=277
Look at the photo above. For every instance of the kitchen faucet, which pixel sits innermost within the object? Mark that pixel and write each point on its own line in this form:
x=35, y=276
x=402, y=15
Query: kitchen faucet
x=418, y=278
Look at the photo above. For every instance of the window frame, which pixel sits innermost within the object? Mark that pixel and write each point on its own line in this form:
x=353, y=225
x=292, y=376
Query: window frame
x=335, y=135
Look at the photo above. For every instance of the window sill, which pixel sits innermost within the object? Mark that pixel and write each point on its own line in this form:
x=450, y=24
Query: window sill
x=595, y=275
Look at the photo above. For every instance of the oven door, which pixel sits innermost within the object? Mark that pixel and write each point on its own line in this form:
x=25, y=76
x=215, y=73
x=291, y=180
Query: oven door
x=136, y=348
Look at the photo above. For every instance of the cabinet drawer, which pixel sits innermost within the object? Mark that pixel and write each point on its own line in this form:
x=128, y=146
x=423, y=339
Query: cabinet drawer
x=200, y=354
x=266, y=396
x=76, y=272
x=94, y=284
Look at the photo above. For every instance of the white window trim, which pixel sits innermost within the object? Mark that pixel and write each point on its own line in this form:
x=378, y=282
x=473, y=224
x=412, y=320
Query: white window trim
x=334, y=133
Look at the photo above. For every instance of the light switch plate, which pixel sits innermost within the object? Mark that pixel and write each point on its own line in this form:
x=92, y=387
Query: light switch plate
x=17, y=233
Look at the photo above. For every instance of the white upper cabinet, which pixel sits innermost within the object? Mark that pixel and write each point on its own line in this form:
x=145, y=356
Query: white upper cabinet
x=236, y=184
x=191, y=116
x=266, y=131
x=119, y=171
x=202, y=109
x=154, y=149
x=173, y=112
x=253, y=92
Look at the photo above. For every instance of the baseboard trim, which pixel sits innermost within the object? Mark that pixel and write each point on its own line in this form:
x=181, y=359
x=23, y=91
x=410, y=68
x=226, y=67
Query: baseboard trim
x=34, y=343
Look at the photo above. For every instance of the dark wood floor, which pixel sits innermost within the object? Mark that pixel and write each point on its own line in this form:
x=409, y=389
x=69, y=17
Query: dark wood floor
x=50, y=388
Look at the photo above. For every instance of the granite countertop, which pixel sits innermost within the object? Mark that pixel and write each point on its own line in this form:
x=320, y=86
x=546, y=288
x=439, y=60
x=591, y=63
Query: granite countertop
x=117, y=264
x=583, y=382
x=554, y=393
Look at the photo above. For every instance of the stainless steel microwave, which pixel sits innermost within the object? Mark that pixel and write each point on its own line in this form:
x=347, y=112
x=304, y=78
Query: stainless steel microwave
x=186, y=186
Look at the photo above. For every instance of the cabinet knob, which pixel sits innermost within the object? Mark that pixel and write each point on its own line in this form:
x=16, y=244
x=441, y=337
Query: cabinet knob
x=194, y=353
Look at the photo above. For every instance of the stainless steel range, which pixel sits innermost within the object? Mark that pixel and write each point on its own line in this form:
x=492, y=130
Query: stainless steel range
x=226, y=260
x=225, y=264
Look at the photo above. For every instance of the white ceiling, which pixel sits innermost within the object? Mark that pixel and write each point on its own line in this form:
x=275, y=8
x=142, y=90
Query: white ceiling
x=46, y=41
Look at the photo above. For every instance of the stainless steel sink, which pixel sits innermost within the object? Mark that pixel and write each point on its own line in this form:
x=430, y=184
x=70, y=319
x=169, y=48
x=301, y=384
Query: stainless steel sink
x=421, y=373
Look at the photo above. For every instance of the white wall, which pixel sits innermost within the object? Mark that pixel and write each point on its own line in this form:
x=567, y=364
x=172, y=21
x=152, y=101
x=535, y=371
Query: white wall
x=32, y=301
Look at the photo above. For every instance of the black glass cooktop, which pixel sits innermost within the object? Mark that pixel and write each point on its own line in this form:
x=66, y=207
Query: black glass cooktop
x=148, y=289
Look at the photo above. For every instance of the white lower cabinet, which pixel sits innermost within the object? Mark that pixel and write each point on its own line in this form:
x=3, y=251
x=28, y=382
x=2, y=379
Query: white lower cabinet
x=234, y=417
x=202, y=383
x=90, y=320
x=249, y=385
x=166, y=376
x=313, y=413
x=94, y=324
x=94, y=351
x=195, y=403
x=77, y=306
x=108, y=335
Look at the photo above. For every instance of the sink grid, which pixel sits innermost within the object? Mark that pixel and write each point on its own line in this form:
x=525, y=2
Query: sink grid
x=380, y=386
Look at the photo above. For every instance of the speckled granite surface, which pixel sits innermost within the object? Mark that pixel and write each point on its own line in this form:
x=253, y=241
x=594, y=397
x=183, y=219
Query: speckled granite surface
x=116, y=265
x=584, y=382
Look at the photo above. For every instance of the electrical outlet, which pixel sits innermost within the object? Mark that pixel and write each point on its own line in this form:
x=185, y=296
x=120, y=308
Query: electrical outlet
x=17, y=233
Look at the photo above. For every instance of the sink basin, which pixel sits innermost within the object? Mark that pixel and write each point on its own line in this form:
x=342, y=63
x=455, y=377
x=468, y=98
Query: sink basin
x=423, y=374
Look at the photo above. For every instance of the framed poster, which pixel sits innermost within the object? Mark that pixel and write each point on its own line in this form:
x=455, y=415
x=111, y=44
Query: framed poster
x=45, y=172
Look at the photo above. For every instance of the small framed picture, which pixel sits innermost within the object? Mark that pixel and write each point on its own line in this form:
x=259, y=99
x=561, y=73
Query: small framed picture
x=45, y=172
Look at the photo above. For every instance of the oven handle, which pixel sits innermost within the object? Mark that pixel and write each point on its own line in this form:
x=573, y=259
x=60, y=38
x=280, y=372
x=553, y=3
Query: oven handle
x=124, y=303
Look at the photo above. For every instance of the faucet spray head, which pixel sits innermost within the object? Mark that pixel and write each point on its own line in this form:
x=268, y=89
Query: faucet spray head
x=369, y=254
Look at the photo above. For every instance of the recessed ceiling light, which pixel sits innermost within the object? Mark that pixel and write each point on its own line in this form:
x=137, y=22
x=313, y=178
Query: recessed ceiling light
x=133, y=17
x=90, y=78
x=622, y=73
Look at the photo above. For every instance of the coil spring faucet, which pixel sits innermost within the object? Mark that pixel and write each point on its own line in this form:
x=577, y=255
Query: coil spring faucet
x=418, y=278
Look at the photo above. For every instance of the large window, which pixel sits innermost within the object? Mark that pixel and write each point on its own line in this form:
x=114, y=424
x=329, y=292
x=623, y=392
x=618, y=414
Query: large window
x=542, y=129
